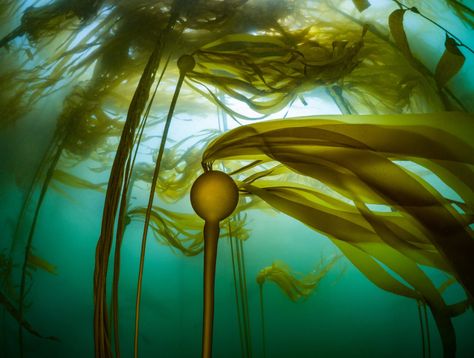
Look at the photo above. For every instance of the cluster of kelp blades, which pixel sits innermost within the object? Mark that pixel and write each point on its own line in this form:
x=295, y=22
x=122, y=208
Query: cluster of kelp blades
x=361, y=159
x=360, y=66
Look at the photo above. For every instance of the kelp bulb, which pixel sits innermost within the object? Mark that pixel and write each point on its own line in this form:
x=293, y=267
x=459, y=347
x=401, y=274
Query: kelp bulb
x=186, y=63
x=214, y=196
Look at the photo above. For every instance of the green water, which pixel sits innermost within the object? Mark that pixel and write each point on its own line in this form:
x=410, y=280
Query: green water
x=346, y=316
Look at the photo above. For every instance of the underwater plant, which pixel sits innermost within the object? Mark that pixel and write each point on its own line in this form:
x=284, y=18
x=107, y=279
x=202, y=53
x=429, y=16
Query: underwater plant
x=347, y=154
x=294, y=288
x=124, y=71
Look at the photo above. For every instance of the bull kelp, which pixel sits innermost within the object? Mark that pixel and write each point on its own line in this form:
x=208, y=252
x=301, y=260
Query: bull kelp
x=348, y=122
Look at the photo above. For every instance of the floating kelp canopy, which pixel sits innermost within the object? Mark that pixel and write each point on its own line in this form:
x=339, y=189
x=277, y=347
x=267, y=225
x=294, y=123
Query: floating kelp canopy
x=140, y=95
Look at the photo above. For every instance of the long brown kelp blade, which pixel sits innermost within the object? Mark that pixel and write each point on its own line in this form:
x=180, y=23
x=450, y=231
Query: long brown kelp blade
x=358, y=158
x=450, y=63
x=361, y=5
x=395, y=23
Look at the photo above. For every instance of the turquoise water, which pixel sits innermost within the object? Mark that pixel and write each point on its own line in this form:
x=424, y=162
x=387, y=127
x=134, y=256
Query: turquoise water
x=346, y=316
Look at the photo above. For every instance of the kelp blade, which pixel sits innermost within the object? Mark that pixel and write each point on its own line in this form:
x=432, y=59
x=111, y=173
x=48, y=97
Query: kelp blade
x=357, y=157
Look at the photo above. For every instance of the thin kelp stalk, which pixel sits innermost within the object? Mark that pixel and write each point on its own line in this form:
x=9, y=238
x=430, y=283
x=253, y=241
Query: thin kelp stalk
x=185, y=64
x=262, y=320
x=29, y=242
x=335, y=92
x=122, y=213
x=241, y=297
x=244, y=295
x=427, y=329
x=104, y=244
x=10, y=308
x=214, y=196
x=27, y=200
x=243, y=346
x=416, y=11
x=422, y=329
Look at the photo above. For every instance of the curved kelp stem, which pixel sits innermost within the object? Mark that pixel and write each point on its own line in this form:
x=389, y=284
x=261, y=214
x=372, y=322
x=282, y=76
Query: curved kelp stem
x=244, y=295
x=240, y=286
x=211, y=235
x=122, y=217
x=422, y=329
x=29, y=242
x=28, y=198
x=243, y=346
x=427, y=330
x=10, y=308
x=185, y=64
x=214, y=197
x=262, y=314
x=116, y=180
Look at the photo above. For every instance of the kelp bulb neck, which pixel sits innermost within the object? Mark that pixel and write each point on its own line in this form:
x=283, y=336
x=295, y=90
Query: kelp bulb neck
x=186, y=63
x=214, y=196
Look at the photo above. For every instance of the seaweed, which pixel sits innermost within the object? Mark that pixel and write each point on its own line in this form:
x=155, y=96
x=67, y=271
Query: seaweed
x=214, y=196
x=240, y=285
x=347, y=154
x=10, y=308
x=295, y=288
x=266, y=55
x=268, y=72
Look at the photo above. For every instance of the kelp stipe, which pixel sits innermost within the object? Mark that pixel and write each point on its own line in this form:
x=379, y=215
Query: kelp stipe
x=185, y=64
x=240, y=290
x=266, y=62
x=214, y=196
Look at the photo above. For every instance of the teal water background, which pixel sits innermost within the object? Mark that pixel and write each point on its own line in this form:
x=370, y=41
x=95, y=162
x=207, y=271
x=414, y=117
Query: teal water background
x=346, y=317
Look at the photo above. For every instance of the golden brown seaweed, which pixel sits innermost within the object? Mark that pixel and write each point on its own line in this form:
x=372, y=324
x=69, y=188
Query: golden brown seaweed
x=295, y=288
x=354, y=156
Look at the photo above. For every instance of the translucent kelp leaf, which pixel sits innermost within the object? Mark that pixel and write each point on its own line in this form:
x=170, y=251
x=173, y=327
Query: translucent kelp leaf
x=183, y=231
x=353, y=156
x=179, y=167
x=361, y=5
x=76, y=182
x=37, y=262
x=395, y=22
x=268, y=72
x=450, y=63
x=294, y=285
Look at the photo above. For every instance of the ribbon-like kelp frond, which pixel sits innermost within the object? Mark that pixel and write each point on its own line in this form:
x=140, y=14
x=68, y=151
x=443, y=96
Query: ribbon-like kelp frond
x=9, y=293
x=73, y=181
x=179, y=167
x=104, y=55
x=294, y=285
x=37, y=262
x=183, y=231
x=268, y=72
x=358, y=158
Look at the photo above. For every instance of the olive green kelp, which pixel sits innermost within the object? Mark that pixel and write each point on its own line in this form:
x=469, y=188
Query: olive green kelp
x=358, y=160
x=295, y=288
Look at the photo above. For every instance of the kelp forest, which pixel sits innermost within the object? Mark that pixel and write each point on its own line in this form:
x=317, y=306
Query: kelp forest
x=236, y=178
